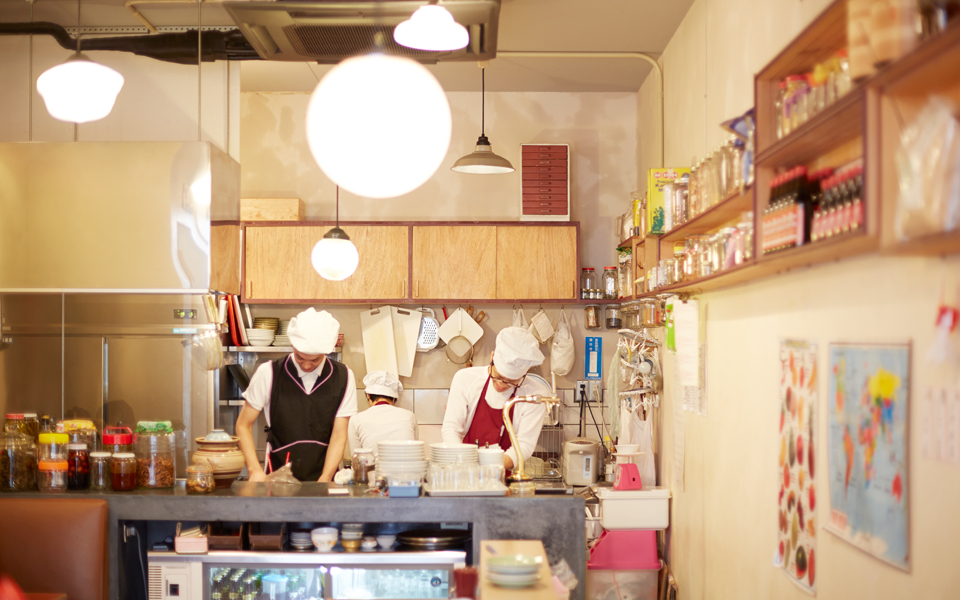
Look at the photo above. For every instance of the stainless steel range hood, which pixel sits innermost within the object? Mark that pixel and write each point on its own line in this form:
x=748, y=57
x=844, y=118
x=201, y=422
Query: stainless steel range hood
x=327, y=32
x=118, y=216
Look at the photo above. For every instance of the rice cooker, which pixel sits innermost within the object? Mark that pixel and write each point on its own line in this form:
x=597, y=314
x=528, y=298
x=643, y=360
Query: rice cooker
x=581, y=458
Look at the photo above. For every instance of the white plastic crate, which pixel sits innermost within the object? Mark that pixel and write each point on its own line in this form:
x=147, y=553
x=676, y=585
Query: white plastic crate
x=634, y=509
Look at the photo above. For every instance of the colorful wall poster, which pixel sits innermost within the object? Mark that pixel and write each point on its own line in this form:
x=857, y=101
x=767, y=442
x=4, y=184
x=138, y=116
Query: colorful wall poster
x=797, y=537
x=867, y=402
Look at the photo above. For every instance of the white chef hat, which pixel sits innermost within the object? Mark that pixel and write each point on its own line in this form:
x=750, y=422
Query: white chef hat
x=382, y=383
x=313, y=332
x=517, y=350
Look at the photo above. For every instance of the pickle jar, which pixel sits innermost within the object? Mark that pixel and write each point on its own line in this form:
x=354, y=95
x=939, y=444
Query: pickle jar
x=78, y=467
x=200, y=478
x=99, y=463
x=52, y=476
x=156, y=452
x=15, y=422
x=117, y=439
x=18, y=462
x=363, y=465
x=53, y=446
x=80, y=431
x=592, y=316
x=123, y=472
x=32, y=424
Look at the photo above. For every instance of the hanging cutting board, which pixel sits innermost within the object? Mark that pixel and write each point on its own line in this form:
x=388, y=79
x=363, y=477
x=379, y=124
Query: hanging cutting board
x=379, y=347
x=406, y=329
x=451, y=328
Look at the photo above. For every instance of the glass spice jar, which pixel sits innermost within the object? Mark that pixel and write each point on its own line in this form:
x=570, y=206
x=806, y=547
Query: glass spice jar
x=123, y=472
x=78, y=467
x=52, y=476
x=588, y=281
x=612, y=316
x=609, y=284
x=200, y=478
x=99, y=466
x=18, y=462
x=591, y=316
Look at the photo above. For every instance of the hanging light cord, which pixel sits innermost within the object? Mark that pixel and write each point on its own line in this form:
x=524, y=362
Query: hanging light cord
x=79, y=31
x=483, y=100
x=338, y=207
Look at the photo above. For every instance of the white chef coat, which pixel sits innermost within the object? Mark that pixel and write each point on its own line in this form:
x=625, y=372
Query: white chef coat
x=464, y=397
x=261, y=385
x=381, y=423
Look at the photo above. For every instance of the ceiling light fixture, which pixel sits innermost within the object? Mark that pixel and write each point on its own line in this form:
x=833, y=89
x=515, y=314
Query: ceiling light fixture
x=431, y=27
x=378, y=125
x=79, y=90
x=335, y=257
x=482, y=161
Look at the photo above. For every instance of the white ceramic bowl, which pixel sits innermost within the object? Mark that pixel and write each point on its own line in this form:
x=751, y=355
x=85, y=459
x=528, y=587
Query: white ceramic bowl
x=369, y=543
x=386, y=541
x=351, y=535
x=627, y=448
x=324, y=545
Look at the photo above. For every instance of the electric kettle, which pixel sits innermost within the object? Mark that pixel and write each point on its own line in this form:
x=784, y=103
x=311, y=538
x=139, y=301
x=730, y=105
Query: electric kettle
x=581, y=459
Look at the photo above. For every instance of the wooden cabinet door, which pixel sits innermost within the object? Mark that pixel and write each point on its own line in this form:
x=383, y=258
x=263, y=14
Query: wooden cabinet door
x=455, y=262
x=278, y=264
x=536, y=263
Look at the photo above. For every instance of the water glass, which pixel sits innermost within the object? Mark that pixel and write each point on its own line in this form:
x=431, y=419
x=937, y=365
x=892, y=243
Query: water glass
x=491, y=477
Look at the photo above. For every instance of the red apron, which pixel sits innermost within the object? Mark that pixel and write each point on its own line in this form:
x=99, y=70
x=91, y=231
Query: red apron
x=487, y=425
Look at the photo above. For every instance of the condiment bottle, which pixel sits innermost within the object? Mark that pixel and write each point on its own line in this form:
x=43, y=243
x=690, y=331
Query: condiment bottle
x=123, y=472
x=78, y=467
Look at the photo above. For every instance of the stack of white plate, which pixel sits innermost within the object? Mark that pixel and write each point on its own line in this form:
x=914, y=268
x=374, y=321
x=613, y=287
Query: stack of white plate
x=443, y=453
x=300, y=540
x=260, y=337
x=490, y=456
x=513, y=571
x=406, y=457
x=282, y=339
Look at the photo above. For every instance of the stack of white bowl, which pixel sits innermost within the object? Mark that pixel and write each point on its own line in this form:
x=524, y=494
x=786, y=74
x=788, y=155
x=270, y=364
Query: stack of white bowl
x=301, y=540
x=516, y=571
x=443, y=453
x=282, y=339
x=260, y=337
x=490, y=456
x=401, y=457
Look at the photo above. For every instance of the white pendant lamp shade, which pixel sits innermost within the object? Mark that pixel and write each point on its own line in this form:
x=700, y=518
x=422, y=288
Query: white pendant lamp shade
x=483, y=161
x=431, y=28
x=335, y=257
x=79, y=90
x=379, y=126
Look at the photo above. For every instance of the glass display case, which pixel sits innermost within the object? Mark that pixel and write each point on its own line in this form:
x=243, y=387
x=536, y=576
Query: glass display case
x=301, y=575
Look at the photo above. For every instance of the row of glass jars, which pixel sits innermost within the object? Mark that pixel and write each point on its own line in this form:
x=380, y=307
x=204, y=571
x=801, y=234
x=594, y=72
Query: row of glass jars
x=703, y=255
x=712, y=179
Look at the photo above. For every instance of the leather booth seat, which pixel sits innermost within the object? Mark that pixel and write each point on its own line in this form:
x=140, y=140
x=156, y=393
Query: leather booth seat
x=55, y=545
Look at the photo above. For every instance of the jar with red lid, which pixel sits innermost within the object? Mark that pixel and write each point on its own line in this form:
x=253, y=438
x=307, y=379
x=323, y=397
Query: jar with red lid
x=117, y=440
x=123, y=472
x=78, y=467
x=52, y=476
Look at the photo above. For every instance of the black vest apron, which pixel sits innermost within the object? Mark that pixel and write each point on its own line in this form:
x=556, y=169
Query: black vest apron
x=301, y=423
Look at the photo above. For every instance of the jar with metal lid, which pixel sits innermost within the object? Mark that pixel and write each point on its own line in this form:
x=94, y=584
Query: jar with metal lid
x=691, y=262
x=200, y=478
x=612, y=316
x=52, y=475
x=117, y=439
x=99, y=463
x=156, y=453
x=53, y=446
x=364, y=465
x=588, y=281
x=630, y=313
x=33, y=424
x=705, y=257
x=609, y=286
x=123, y=472
x=678, y=258
x=78, y=467
x=18, y=462
x=591, y=316
x=718, y=249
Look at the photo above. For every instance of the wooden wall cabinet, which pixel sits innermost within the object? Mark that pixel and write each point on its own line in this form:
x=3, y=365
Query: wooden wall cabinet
x=537, y=263
x=455, y=262
x=278, y=264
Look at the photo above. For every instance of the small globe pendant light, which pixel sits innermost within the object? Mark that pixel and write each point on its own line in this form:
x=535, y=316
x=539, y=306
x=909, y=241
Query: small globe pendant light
x=79, y=90
x=335, y=257
x=482, y=161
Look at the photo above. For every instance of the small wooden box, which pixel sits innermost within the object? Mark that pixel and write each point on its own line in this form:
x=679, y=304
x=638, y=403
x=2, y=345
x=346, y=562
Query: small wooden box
x=271, y=209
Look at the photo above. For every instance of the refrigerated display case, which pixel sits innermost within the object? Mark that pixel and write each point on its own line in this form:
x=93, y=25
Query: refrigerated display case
x=301, y=575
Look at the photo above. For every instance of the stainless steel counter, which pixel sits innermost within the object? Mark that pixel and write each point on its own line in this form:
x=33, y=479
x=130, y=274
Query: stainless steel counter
x=558, y=521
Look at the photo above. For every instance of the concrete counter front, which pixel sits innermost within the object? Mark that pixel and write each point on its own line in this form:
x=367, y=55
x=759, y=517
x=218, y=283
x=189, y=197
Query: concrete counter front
x=558, y=521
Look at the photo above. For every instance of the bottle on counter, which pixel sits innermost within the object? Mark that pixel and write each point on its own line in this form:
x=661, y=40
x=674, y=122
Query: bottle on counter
x=99, y=467
x=78, y=467
x=47, y=424
x=123, y=472
x=156, y=453
x=18, y=462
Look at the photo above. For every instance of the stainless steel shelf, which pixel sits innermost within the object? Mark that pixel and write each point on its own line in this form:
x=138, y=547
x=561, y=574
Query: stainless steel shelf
x=262, y=349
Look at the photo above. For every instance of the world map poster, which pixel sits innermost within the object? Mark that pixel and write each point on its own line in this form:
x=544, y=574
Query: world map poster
x=867, y=401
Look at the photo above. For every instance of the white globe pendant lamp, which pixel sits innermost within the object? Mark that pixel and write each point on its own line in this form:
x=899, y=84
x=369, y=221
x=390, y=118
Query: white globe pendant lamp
x=483, y=161
x=432, y=28
x=79, y=90
x=335, y=257
x=378, y=125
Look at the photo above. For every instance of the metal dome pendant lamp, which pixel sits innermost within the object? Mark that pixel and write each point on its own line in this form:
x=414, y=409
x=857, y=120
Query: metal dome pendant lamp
x=335, y=257
x=483, y=161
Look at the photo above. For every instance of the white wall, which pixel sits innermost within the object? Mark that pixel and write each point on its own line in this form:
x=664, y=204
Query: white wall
x=724, y=525
x=158, y=101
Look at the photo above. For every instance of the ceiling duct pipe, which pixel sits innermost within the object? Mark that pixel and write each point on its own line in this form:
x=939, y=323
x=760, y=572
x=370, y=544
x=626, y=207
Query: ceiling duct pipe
x=179, y=48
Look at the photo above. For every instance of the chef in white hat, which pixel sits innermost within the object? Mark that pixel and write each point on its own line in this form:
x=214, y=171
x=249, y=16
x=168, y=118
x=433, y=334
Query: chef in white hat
x=474, y=412
x=383, y=420
x=307, y=400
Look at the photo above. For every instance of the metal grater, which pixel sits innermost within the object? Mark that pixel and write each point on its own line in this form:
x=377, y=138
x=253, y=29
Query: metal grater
x=429, y=336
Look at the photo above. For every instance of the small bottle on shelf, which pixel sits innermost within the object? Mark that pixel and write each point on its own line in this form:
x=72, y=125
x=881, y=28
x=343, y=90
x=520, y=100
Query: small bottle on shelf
x=857, y=214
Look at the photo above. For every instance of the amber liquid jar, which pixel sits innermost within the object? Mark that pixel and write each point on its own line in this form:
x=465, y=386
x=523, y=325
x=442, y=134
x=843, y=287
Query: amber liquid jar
x=123, y=472
x=78, y=467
